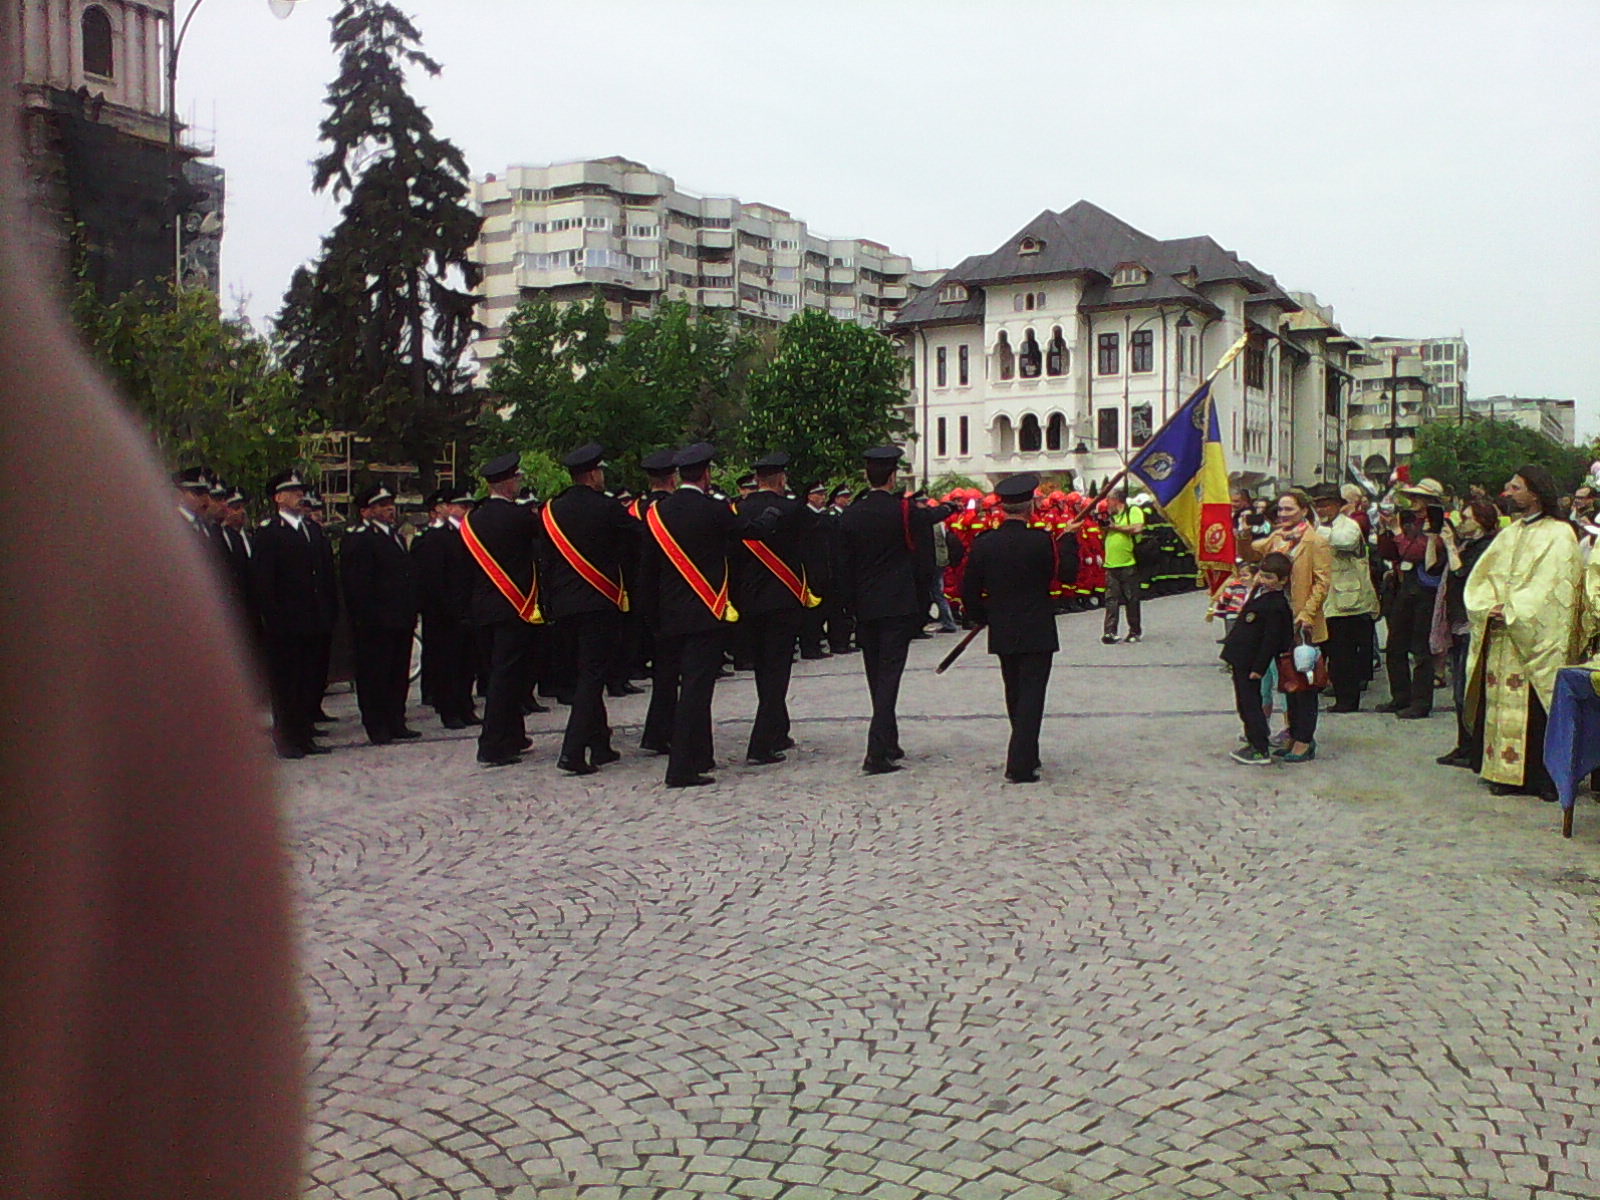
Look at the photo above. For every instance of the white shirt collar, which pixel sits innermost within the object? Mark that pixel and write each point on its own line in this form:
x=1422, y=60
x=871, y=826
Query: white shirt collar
x=294, y=519
x=693, y=487
x=380, y=527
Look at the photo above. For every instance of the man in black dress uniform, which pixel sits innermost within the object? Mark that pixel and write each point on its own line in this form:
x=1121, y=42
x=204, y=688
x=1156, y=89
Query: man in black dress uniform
x=446, y=575
x=294, y=585
x=773, y=593
x=590, y=548
x=881, y=585
x=841, y=622
x=426, y=554
x=500, y=534
x=1007, y=587
x=684, y=580
x=380, y=594
x=238, y=551
x=816, y=555
x=661, y=469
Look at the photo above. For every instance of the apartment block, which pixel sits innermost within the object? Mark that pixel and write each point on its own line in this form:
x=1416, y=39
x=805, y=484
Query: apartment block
x=1400, y=385
x=1065, y=348
x=614, y=226
x=1556, y=419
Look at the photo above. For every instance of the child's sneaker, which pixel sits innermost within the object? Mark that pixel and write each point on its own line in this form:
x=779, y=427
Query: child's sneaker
x=1251, y=757
x=1282, y=739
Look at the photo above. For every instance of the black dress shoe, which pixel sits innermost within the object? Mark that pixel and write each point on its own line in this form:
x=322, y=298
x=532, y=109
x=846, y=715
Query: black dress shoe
x=572, y=767
x=406, y=734
x=1454, y=759
x=786, y=744
x=527, y=742
x=503, y=761
x=380, y=739
x=290, y=752
x=690, y=781
x=1023, y=777
x=1504, y=789
x=473, y=719
x=313, y=748
x=813, y=656
x=323, y=718
x=1412, y=714
x=879, y=766
x=529, y=707
x=624, y=689
x=1391, y=706
x=764, y=760
x=895, y=755
x=656, y=747
x=601, y=757
x=454, y=723
x=1342, y=708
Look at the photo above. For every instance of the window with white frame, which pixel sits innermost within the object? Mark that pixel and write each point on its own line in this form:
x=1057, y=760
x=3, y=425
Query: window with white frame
x=952, y=293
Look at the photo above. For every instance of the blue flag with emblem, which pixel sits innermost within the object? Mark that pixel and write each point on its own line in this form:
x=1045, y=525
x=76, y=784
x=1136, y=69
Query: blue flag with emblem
x=1186, y=471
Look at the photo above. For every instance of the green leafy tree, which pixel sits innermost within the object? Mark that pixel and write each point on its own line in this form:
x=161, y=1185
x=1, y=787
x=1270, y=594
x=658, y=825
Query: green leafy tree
x=559, y=381
x=208, y=388
x=376, y=330
x=1489, y=452
x=832, y=389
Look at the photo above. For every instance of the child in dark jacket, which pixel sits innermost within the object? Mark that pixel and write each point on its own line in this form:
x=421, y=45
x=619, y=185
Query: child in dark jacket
x=1263, y=630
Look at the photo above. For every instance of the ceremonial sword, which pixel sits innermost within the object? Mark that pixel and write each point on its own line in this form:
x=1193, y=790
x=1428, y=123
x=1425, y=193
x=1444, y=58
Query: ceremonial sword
x=956, y=653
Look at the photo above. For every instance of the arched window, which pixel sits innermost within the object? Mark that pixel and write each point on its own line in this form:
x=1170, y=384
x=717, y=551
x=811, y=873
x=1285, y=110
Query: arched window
x=1016, y=302
x=97, y=56
x=1002, y=439
x=1055, y=432
x=1029, y=438
x=1056, y=358
x=1030, y=356
x=1005, y=357
x=1028, y=302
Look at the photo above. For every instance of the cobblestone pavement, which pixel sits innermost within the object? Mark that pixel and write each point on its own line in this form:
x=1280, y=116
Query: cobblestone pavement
x=1154, y=974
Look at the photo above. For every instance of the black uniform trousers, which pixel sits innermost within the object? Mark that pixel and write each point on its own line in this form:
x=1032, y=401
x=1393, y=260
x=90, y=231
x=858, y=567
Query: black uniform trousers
x=1349, y=657
x=699, y=657
x=507, y=646
x=772, y=636
x=811, y=631
x=1123, y=586
x=1409, y=660
x=455, y=667
x=1026, y=677
x=1247, y=703
x=432, y=655
x=665, y=665
x=382, y=677
x=297, y=677
x=594, y=638
x=884, y=644
x=841, y=627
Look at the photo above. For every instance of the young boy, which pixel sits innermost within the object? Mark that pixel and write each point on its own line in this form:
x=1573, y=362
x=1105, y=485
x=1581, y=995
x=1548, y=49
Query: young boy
x=1263, y=630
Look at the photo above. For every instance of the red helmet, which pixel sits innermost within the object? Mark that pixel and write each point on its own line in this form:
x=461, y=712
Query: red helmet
x=991, y=500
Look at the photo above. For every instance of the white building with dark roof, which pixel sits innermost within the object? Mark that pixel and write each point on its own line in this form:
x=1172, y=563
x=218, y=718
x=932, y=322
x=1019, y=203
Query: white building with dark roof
x=1066, y=347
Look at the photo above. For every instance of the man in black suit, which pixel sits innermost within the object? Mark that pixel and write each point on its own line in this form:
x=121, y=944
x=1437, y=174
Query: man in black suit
x=773, y=594
x=881, y=584
x=499, y=534
x=684, y=581
x=591, y=546
x=1007, y=584
x=295, y=589
x=380, y=594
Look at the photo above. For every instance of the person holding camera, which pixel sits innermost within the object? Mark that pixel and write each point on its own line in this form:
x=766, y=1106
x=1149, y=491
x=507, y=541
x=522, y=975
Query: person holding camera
x=1409, y=540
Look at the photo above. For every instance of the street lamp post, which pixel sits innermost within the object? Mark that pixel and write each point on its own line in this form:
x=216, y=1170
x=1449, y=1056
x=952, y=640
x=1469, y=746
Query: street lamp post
x=176, y=33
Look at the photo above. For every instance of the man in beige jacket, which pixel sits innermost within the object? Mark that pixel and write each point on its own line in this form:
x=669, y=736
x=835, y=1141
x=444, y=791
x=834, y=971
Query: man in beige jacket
x=1352, y=603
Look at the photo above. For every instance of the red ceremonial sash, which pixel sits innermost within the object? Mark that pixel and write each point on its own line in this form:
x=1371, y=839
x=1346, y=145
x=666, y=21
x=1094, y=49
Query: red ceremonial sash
x=592, y=574
x=716, y=601
x=785, y=576
x=527, y=606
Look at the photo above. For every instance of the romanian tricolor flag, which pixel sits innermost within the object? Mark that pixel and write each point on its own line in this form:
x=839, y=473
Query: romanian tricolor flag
x=1187, y=473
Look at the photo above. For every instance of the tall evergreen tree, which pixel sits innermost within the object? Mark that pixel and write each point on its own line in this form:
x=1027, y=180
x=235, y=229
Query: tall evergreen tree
x=376, y=329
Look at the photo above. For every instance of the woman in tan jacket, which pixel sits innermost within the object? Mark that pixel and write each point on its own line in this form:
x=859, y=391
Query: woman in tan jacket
x=1297, y=536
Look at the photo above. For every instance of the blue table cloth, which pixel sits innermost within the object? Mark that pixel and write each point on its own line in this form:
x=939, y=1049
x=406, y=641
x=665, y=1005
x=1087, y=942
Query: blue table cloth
x=1572, y=734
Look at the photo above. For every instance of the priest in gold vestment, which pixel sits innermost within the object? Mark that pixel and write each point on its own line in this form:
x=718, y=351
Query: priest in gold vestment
x=1525, y=602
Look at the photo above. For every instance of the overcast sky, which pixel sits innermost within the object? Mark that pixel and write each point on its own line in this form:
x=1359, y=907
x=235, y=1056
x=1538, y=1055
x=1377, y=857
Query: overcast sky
x=1427, y=168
